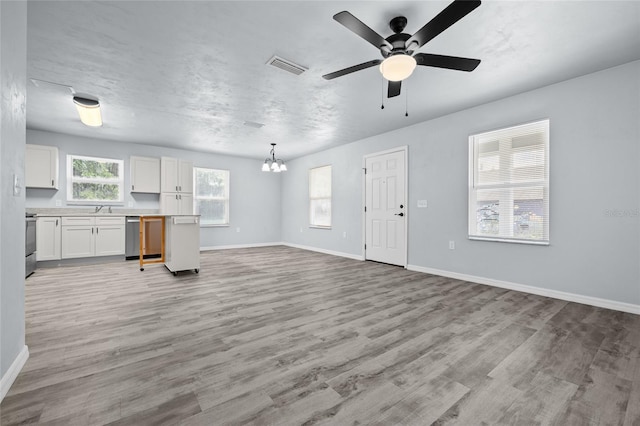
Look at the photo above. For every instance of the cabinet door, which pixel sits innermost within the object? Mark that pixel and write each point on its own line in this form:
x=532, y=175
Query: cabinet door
x=186, y=204
x=169, y=203
x=41, y=166
x=110, y=240
x=169, y=174
x=78, y=241
x=48, y=238
x=145, y=175
x=185, y=183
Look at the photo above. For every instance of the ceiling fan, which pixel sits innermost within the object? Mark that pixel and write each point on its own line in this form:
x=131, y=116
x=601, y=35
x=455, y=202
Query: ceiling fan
x=398, y=49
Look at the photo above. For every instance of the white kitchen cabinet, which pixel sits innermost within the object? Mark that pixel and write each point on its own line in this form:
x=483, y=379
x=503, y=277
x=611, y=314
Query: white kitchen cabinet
x=176, y=175
x=145, y=175
x=173, y=203
x=78, y=241
x=48, y=238
x=177, y=186
x=182, y=247
x=41, y=166
x=87, y=236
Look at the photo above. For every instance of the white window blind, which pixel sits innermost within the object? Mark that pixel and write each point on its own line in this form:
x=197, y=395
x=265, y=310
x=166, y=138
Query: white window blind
x=211, y=196
x=320, y=196
x=509, y=184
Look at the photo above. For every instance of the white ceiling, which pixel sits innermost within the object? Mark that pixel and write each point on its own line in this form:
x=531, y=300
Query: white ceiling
x=189, y=74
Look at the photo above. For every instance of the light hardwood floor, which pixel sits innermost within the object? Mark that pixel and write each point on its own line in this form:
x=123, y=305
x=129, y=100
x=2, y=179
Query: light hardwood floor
x=281, y=336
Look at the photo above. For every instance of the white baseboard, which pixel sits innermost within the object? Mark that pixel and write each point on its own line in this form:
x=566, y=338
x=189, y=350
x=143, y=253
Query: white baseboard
x=237, y=246
x=320, y=250
x=570, y=297
x=13, y=371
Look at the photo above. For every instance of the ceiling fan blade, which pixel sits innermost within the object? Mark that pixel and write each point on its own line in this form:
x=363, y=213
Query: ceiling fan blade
x=449, y=16
x=354, y=68
x=394, y=89
x=357, y=26
x=449, y=62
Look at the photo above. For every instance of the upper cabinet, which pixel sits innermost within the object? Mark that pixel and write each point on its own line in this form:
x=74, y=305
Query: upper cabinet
x=41, y=166
x=176, y=175
x=145, y=175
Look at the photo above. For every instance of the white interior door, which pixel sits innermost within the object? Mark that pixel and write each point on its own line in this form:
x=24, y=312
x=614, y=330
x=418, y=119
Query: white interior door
x=386, y=208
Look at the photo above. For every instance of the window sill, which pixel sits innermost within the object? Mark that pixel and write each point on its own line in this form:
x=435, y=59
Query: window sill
x=211, y=225
x=513, y=241
x=319, y=227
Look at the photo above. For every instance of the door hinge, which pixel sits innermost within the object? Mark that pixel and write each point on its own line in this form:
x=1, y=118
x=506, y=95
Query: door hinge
x=365, y=170
x=365, y=246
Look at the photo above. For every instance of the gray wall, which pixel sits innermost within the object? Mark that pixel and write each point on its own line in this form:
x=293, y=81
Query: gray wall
x=254, y=196
x=13, y=64
x=594, y=158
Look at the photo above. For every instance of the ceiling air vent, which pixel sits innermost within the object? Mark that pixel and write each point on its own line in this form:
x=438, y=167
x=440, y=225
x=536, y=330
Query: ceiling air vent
x=288, y=66
x=253, y=124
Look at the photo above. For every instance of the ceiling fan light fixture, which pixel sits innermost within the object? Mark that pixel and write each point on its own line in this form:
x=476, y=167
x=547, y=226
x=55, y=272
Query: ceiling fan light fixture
x=398, y=67
x=89, y=111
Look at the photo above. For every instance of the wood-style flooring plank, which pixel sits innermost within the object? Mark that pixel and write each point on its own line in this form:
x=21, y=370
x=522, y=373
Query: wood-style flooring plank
x=282, y=336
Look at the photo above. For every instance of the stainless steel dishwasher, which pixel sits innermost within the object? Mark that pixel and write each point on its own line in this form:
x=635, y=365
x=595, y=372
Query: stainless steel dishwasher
x=132, y=244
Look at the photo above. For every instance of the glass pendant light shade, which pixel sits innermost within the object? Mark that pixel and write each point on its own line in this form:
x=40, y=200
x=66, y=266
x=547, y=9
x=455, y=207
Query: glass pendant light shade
x=397, y=67
x=265, y=166
x=275, y=167
x=283, y=167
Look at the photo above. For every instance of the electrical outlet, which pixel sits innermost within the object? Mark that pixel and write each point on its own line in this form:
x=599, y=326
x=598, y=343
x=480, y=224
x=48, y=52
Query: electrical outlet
x=238, y=229
x=130, y=204
x=422, y=204
x=58, y=203
x=452, y=245
x=16, y=186
x=344, y=234
x=301, y=229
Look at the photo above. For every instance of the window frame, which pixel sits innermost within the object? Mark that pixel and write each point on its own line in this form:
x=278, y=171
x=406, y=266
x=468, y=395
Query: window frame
x=71, y=180
x=510, y=185
x=315, y=198
x=226, y=198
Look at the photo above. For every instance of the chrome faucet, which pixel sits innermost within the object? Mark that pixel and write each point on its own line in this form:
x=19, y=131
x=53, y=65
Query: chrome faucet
x=98, y=208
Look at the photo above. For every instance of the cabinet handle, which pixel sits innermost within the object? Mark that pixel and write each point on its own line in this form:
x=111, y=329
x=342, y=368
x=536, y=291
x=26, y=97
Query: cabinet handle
x=91, y=231
x=180, y=188
x=132, y=187
x=97, y=230
x=176, y=196
x=56, y=222
x=176, y=188
x=52, y=182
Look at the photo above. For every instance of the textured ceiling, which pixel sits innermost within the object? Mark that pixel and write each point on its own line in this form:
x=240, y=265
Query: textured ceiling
x=189, y=74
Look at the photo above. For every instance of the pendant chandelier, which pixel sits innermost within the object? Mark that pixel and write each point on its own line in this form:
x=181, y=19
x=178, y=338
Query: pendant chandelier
x=273, y=164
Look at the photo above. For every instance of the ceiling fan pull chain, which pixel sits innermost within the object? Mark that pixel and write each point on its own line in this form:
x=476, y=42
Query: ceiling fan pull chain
x=382, y=94
x=406, y=101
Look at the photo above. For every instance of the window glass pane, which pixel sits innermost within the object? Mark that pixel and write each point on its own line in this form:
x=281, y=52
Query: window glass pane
x=83, y=168
x=211, y=183
x=211, y=196
x=488, y=217
x=320, y=196
x=321, y=212
x=528, y=214
x=96, y=191
x=212, y=212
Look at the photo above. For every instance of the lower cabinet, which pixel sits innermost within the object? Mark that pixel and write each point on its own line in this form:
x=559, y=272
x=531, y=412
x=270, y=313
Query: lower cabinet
x=92, y=236
x=48, y=238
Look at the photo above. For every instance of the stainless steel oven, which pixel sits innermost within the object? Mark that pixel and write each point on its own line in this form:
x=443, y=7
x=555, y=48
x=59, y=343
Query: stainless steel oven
x=30, y=244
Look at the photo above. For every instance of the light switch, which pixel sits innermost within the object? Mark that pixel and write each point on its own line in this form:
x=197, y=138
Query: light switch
x=16, y=185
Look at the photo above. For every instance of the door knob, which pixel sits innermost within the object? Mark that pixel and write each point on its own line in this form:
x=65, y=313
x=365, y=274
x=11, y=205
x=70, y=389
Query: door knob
x=399, y=214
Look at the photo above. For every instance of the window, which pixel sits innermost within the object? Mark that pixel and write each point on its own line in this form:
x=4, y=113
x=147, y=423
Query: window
x=92, y=180
x=320, y=197
x=211, y=196
x=509, y=184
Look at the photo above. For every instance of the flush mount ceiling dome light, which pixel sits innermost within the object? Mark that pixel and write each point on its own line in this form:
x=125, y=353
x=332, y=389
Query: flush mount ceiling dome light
x=398, y=67
x=273, y=164
x=89, y=111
